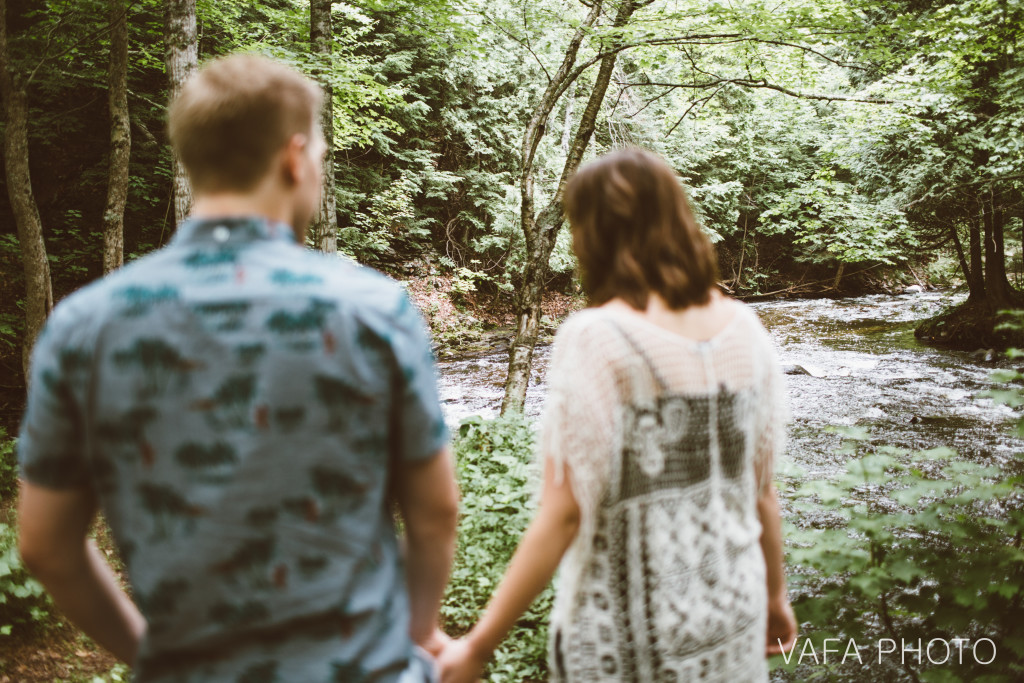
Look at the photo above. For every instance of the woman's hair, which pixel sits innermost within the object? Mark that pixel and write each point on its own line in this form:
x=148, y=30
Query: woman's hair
x=634, y=233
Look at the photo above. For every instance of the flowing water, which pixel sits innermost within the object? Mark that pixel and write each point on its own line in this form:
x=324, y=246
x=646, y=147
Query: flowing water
x=865, y=368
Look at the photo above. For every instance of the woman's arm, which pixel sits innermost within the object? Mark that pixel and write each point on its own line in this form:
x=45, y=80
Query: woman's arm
x=531, y=569
x=781, y=622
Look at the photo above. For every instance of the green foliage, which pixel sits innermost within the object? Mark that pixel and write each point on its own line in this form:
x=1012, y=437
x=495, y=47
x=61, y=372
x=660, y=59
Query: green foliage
x=23, y=601
x=912, y=545
x=8, y=466
x=497, y=478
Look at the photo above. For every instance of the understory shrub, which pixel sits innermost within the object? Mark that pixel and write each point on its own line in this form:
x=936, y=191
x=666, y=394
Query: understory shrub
x=498, y=479
x=920, y=548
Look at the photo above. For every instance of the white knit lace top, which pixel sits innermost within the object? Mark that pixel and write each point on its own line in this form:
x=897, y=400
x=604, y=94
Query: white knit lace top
x=664, y=440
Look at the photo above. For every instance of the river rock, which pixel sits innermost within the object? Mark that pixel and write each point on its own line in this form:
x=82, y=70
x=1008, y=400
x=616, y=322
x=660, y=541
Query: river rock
x=913, y=289
x=796, y=369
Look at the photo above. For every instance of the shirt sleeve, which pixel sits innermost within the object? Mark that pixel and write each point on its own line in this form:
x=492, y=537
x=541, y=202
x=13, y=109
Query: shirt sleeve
x=577, y=431
x=52, y=439
x=420, y=430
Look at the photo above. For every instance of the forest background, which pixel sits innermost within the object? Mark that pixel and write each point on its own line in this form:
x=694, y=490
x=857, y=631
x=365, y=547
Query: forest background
x=830, y=147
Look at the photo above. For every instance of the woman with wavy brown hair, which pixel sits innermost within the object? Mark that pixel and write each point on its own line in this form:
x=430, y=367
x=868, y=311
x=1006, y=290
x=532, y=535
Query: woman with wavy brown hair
x=664, y=414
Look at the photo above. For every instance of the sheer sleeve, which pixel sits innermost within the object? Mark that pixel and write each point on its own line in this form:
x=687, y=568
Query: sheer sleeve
x=578, y=423
x=773, y=413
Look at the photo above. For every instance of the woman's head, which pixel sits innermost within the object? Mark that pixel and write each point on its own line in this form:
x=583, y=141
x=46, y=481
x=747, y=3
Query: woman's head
x=635, y=235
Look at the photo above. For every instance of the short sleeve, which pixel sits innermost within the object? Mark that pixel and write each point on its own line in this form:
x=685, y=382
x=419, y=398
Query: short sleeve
x=52, y=439
x=418, y=421
x=577, y=430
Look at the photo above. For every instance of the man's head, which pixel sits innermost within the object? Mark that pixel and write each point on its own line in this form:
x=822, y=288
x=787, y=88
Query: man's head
x=246, y=123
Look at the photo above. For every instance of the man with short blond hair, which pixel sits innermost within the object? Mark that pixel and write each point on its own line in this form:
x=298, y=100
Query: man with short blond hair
x=243, y=411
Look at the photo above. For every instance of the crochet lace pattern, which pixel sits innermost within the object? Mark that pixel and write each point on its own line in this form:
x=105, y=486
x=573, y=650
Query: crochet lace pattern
x=664, y=440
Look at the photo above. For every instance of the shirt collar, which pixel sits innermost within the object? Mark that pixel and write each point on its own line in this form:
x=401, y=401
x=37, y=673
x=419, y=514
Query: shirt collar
x=233, y=230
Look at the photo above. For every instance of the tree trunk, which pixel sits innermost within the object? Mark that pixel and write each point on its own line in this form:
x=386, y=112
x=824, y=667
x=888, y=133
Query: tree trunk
x=325, y=225
x=38, y=289
x=570, y=107
x=120, y=139
x=961, y=257
x=542, y=229
x=998, y=290
x=975, y=277
x=180, y=61
x=839, y=275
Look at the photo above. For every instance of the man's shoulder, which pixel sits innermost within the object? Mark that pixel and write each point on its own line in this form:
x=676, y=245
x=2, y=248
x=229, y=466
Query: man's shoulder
x=360, y=288
x=88, y=307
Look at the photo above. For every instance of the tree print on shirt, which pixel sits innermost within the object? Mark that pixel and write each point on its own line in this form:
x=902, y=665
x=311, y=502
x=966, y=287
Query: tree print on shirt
x=170, y=512
x=205, y=258
x=248, y=564
x=249, y=354
x=341, y=400
x=159, y=365
x=138, y=300
x=310, y=319
x=289, y=418
x=230, y=406
x=124, y=437
x=223, y=316
x=162, y=601
x=212, y=464
x=340, y=492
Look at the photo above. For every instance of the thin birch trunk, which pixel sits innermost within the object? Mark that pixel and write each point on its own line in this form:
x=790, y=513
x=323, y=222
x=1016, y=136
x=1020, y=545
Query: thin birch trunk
x=120, y=139
x=181, y=61
x=325, y=225
x=541, y=229
x=38, y=287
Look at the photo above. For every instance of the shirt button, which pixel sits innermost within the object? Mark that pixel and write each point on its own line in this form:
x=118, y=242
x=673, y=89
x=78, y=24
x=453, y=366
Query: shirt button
x=221, y=233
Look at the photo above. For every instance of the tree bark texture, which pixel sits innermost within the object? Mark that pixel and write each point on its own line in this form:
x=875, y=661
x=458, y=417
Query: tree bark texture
x=325, y=225
x=38, y=288
x=120, y=139
x=997, y=288
x=541, y=229
x=976, y=276
x=180, y=61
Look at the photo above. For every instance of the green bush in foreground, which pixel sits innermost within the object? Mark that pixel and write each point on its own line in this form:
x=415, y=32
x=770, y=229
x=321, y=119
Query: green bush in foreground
x=918, y=548
x=499, y=480
x=23, y=602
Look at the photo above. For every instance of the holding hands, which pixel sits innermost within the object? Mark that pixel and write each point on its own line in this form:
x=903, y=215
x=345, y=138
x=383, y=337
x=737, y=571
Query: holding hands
x=459, y=662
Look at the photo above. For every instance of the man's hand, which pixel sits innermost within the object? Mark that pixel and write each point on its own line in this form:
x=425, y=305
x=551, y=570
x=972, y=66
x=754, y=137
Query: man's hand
x=460, y=663
x=429, y=502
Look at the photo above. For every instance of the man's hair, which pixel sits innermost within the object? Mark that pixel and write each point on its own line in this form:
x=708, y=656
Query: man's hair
x=232, y=117
x=634, y=233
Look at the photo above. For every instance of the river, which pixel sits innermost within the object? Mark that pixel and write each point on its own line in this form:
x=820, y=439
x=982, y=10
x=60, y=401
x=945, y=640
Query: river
x=865, y=369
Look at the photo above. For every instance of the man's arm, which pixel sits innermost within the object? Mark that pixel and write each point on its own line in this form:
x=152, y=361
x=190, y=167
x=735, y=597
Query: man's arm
x=428, y=499
x=53, y=540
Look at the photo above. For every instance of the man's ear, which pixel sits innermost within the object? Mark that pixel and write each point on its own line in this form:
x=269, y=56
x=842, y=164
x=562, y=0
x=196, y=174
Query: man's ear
x=292, y=165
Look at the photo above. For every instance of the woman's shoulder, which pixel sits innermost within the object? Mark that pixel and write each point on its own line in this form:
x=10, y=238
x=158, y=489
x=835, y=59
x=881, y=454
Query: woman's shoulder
x=589, y=323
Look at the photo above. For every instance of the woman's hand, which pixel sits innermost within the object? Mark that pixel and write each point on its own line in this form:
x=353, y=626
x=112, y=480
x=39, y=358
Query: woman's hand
x=460, y=663
x=781, y=627
x=436, y=643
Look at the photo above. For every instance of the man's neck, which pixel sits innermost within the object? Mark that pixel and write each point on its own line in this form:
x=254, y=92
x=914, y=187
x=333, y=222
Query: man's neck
x=231, y=205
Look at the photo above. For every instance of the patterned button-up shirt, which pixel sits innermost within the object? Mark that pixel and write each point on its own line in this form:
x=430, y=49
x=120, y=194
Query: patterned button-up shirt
x=239, y=405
